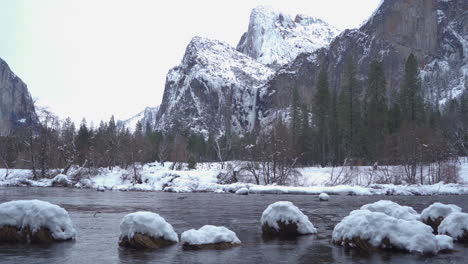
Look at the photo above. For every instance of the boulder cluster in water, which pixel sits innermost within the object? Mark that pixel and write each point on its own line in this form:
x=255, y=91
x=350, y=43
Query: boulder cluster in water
x=380, y=225
x=390, y=226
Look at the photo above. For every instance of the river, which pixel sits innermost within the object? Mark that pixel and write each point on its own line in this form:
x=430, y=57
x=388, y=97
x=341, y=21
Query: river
x=96, y=217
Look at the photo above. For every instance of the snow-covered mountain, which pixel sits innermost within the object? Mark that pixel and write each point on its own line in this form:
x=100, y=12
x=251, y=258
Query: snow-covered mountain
x=16, y=104
x=275, y=38
x=436, y=31
x=216, y=88
x=213, y=90
x=147, y=116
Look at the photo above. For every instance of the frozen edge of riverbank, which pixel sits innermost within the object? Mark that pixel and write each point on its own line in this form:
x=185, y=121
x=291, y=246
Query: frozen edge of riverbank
x=194, y=186
x=157, y=177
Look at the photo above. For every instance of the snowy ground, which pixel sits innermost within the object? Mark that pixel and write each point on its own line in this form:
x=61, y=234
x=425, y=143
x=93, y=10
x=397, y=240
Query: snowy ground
x=206, y=178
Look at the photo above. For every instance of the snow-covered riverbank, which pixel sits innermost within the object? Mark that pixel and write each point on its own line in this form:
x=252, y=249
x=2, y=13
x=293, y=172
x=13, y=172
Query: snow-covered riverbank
x=207, y=178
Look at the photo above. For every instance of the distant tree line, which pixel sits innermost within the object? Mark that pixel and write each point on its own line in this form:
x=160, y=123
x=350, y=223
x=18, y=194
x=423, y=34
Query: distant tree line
x=349, y=126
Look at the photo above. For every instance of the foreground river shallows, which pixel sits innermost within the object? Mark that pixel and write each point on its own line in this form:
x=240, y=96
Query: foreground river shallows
x=96, y=216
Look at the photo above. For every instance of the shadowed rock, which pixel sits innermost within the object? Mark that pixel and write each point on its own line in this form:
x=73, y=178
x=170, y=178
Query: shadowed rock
x=10, y=234
x=141, y=241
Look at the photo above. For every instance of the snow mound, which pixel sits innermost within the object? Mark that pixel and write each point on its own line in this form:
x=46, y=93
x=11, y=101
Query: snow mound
x=61, y=180
x=209, y=234
x=287, y=213
x=436, y=212
x=456, y=226
x=324, y=197
x=147, y=223
x=392, y=209
x=37, y=214
x=383, y=231
x=242, y=191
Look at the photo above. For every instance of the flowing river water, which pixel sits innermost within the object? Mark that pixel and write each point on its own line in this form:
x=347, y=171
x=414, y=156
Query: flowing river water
x=96, y=217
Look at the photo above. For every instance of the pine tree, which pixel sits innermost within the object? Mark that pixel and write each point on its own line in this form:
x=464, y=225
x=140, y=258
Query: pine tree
x=295, y=117
x=82, y=142
x=349, y=110
x=411, y=100
x=303, y=144
x=377, y=112
x=320, y=107
x=335, y=139
x=394, y=113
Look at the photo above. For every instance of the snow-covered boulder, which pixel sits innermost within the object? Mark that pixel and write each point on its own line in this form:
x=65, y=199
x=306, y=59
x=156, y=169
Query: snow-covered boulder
x=436, y=213
x=324, y=197
x=456, y=226
x=242, y=191
x=284, y=219
x=34, y=221
x=367, y=230
x=61, y=180
x=209, y=237
x=392, y=209
x=146, y=230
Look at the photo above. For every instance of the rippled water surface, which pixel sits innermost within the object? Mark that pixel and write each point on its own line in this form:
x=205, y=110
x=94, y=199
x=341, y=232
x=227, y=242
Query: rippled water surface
x=96, y=216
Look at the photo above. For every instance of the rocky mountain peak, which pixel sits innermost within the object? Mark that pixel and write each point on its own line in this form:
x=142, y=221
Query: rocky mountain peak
x=274, y=38
x=434, y=30
x=214, y=89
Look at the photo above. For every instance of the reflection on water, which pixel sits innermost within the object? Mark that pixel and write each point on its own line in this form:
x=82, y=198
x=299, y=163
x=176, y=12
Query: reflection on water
x=96, y=216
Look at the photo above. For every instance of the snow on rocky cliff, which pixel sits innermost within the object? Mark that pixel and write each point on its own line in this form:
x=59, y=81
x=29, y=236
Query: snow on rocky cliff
x=214, y=89
x=147, y=116
x=274, y=38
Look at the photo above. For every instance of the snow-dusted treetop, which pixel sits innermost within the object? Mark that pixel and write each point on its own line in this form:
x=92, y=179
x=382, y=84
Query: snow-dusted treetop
x=275, y=38
x=147, y=223
x=37, y=214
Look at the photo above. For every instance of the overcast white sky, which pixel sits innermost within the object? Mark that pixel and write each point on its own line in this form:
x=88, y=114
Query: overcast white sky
x=97, y=58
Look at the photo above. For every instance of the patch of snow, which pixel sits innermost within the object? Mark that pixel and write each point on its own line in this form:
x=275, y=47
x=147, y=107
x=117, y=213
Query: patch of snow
x=375, y=227
x=147, y=223
x=242, y=191
x=287, y=212
x=455, y=225
x=61, y=179
x=147, y=116
x=392, y=209
x=37, y=214
x=324, y=197
x=436, y=210
x=209, y=234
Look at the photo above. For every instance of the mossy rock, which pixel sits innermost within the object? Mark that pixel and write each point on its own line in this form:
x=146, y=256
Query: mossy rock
x=433, y=223
x=10, y=234
x=142, y=241
x=462, y=239
x=216, y=246
x=365, y=245
x=286, y=230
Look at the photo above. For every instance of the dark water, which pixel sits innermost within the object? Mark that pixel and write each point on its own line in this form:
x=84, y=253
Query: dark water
x=97, y=215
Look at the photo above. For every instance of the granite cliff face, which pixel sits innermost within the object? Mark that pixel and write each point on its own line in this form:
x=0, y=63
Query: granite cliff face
x=145, y=117
x=274, y=38
x=213, y=90
x=217, y=88
x=434, y=30
x=16, y=104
